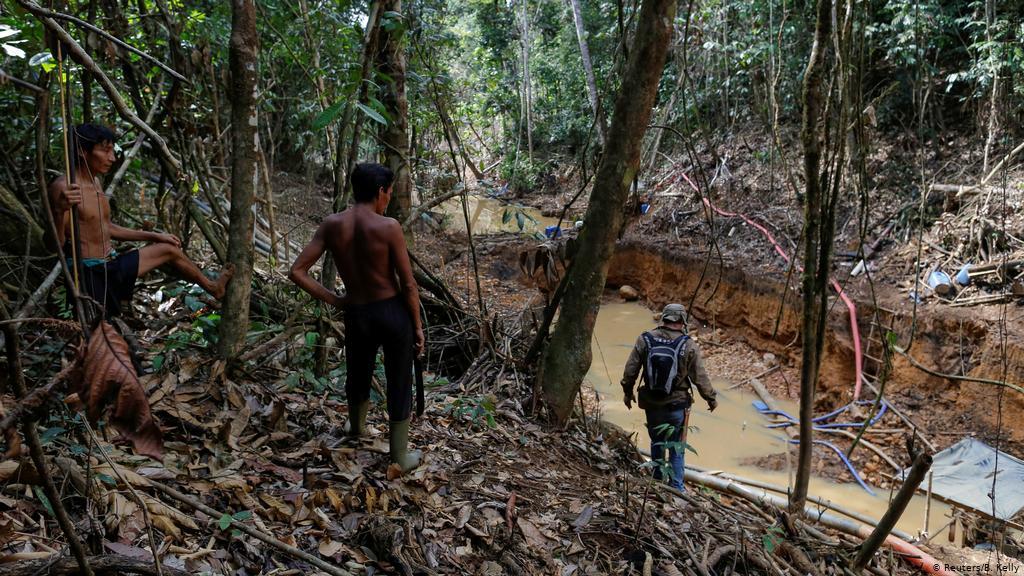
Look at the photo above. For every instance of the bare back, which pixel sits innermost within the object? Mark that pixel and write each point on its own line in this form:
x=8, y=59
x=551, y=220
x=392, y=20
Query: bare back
x=361, y=243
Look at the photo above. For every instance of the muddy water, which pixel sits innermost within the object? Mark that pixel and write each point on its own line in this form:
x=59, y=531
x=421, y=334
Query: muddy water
x=733, y=433
x=487, y=215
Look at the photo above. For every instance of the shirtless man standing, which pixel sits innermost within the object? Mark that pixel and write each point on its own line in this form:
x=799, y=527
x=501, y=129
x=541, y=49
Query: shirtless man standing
x=107, y=276
x=381, y=303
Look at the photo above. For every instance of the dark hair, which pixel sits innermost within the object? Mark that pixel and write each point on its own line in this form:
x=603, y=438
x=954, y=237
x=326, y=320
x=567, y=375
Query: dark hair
x=87, y=136
x=368, y=178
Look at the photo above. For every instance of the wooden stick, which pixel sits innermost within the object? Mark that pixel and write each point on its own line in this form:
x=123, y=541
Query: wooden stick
x=39, y=294
x=36, y=449
x=154, y=548
x=899, y=503
x=214, y=516
x=106, y=565
x=5, y=77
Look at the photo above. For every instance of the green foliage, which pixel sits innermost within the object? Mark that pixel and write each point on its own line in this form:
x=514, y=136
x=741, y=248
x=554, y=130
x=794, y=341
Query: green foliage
x=772, y=538
x=477, y=410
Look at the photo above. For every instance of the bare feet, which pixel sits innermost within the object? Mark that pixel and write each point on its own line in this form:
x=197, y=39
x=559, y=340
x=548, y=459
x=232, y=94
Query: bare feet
x=221, y=283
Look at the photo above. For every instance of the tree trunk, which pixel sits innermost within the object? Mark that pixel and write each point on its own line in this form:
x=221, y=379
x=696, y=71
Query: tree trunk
x=588, y=68
x=524, y=41
x=815, y=266
x=242, y=58
x=395, y=135
x=567, y=356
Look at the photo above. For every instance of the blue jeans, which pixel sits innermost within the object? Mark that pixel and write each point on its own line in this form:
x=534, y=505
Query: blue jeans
x=667, y=437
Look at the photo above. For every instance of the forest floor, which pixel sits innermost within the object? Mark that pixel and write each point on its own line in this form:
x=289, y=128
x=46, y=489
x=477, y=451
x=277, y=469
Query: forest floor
x=499, y=492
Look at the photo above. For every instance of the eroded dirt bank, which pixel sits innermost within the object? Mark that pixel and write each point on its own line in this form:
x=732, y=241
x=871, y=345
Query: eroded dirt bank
x=946, y=340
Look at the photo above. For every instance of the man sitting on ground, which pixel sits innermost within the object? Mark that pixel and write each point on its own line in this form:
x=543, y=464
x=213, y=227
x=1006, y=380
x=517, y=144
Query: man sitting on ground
x=107, y=276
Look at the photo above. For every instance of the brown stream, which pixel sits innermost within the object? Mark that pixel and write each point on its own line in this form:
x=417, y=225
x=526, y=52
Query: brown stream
x=487, y=215
x=733, y=433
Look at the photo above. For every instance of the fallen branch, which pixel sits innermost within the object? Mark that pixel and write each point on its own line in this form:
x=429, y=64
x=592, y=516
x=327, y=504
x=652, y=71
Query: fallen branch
x=264, y=350
x=215, y=516
x=102, y=565
x=962, y=190
x=39, y=294
x=423, y=207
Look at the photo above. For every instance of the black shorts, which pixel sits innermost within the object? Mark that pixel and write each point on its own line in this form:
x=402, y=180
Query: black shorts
x=111, y=282
x=368, y=327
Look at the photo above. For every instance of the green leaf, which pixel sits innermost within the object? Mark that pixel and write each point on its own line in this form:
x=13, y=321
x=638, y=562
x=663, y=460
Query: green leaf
x=505, y=216
x=772, y=539
x=50, y=434
x=376, y=117
x=243, y=515
x=224, y=521
x=107, y=479
x=327, y=116
x=44, y=500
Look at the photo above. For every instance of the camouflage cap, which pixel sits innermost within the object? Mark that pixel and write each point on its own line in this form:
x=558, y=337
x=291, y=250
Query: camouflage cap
x=673, y=313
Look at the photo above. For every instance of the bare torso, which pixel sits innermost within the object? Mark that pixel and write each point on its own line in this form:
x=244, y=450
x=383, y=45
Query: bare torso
x=93, y=218
x=359, y=241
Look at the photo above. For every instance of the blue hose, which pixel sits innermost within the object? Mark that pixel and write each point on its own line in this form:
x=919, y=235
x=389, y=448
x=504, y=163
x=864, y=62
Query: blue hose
x=763, y=409
x=849, y=466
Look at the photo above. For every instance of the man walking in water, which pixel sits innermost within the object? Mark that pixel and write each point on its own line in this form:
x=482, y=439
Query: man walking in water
x=381, y=302
x=106, y=276
x=671, y=362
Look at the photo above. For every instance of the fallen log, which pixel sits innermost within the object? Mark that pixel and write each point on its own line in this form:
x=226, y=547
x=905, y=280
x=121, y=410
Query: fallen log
x=110, y=564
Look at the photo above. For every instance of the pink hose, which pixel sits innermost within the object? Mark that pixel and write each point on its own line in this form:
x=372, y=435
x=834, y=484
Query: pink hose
x=854, y=328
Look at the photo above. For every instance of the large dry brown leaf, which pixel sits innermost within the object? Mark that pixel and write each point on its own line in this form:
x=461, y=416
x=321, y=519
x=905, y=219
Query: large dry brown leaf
x=107, y=380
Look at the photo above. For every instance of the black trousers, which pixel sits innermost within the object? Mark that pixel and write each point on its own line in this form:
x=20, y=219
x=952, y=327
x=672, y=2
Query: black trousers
x=112, y=282
x=368, y=327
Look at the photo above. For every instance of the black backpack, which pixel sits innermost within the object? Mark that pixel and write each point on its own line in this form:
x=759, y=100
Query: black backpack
x=662, y=362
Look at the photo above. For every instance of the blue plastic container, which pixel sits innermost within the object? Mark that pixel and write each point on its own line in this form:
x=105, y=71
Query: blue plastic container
x=940, y=283
x=962, y=277
x=553, y=232
x=645, y=208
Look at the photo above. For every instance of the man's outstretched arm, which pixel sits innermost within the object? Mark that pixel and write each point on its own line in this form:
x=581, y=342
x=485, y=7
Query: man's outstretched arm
x=299, y=273
x=130, y=235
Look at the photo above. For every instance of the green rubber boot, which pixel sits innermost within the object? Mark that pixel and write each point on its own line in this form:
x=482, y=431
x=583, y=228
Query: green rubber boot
x=400, y=453
x=356, y=425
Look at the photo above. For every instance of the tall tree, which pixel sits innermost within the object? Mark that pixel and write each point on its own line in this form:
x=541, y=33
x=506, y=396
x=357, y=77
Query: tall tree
x=242, y=59
x=527, y=96
x=818, y=222
x=395, y=134
x=588, y=69
x=567, y=356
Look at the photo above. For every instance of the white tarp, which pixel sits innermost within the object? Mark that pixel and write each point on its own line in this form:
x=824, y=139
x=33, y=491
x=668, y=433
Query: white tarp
x=963, y=473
